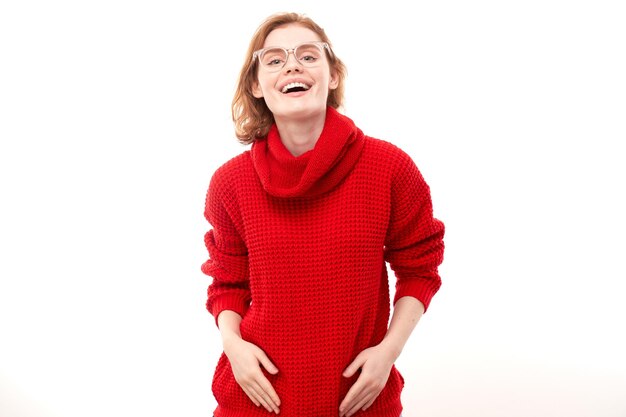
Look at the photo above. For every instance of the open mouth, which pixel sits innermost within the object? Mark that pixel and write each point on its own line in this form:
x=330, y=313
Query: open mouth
x=295, y=87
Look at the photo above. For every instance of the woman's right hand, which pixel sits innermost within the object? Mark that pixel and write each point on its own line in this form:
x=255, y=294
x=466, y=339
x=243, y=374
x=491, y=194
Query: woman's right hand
x=246, y=360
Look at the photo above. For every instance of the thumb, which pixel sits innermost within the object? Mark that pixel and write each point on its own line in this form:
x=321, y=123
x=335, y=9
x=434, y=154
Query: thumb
x=267, y=364
x=353, y=367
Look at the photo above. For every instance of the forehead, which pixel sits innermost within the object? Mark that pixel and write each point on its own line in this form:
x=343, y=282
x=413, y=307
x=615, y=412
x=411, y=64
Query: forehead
x=289, y=36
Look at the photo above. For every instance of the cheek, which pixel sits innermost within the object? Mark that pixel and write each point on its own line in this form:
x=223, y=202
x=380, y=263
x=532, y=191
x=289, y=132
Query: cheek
x=267, y=84
x=262, y=87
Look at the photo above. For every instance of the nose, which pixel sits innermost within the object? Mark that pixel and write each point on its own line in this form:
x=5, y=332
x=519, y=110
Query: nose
x=292, y=64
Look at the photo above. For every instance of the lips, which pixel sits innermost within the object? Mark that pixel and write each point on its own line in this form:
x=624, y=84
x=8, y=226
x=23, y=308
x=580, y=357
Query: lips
x=295, y=86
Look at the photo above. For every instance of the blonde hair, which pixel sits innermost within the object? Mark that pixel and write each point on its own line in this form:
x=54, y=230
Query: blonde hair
x=251, y=115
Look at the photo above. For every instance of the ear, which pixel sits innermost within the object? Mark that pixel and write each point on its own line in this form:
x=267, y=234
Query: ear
x=256, y=90
x=334, y=81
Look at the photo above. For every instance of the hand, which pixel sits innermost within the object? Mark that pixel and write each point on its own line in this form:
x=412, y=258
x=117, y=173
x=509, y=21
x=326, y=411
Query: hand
x=245, y=360
x=375, y=364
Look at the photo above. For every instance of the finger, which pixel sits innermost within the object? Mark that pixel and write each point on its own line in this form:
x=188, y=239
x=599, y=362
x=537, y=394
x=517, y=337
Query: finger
x=265, y=390
x=251, y=396
x=267, y=387
x=258, y=394
x=369, y=404
x=346, y=404
x=373, y=394
x=358, y=405
x=267, y=364
x=360, y=400
x=354, y=366
x=351, y=398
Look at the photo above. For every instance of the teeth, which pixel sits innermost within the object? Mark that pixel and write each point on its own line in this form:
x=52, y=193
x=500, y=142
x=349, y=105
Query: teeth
x=294, y=85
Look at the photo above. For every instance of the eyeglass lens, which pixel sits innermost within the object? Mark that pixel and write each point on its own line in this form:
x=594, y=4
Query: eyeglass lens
x=275, y=58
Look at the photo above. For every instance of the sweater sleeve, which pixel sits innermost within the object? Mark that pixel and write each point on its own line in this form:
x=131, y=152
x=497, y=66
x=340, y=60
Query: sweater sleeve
x=414, y=242
x=228, y=256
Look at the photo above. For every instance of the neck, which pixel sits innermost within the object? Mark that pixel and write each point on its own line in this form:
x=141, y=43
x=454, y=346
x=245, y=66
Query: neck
x=301, y=135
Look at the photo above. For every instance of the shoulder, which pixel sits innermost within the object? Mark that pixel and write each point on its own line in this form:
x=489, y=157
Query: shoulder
x=392, y=156
x=229, y=175
x=231, y=171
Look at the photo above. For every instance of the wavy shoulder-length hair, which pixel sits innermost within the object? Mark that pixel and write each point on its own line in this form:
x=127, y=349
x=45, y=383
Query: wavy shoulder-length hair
x=251, y=115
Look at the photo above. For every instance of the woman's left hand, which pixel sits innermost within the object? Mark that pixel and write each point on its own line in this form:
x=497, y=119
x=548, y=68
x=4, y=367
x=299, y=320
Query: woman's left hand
x=375, y=364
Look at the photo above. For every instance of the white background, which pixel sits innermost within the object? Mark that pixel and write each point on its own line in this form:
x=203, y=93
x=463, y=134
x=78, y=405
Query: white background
x=113, y=116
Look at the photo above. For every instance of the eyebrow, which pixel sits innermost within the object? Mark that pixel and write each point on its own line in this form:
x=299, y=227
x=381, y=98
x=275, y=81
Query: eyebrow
x=284, y=47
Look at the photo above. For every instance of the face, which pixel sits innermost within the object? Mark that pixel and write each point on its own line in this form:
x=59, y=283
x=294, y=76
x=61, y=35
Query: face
x=313, y=82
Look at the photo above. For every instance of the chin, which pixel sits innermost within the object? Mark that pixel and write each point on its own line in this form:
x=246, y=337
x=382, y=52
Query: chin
x=298, y=110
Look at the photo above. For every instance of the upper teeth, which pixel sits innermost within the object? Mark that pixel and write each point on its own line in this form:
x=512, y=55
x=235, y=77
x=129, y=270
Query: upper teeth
x=294, y=85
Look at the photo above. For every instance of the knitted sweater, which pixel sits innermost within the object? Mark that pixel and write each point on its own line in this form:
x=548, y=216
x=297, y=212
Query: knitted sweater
x=298, y=248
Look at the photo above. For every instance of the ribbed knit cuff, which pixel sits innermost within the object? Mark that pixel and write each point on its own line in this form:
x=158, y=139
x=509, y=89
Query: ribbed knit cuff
x=234, y=302
x=423, y=290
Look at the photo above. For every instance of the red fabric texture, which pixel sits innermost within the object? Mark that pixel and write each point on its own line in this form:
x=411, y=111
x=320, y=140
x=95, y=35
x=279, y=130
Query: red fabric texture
x=299, y=248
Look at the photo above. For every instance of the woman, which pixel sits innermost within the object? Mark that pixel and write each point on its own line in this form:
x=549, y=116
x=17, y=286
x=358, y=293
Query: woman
x=303, y=224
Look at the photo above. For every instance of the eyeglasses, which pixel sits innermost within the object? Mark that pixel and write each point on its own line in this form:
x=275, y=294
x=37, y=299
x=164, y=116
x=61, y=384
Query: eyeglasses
x=308, y=54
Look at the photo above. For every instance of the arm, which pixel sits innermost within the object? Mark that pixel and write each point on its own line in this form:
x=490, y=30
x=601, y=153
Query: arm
x=414, y=250
x=376, y=362
x=407, y=312
x=229, y=296
x=228, y=253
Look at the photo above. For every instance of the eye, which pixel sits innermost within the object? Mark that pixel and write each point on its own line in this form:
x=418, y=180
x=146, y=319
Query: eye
x=308, y=53
x=273, y=57
x=308, y=58
x=273, y=62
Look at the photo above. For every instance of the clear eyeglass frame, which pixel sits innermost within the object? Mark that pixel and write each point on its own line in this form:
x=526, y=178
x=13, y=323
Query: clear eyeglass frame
x=260, y=52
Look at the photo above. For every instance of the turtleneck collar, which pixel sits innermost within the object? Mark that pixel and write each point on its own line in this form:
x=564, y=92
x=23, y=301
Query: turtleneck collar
x=315, y=172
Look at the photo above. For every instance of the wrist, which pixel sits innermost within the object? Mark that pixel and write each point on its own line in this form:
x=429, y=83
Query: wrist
x=392, y=348
x=230, y=336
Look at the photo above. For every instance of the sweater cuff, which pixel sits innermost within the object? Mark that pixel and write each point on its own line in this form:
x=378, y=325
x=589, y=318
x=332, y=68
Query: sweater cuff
x=422, y=289
x=238, y=303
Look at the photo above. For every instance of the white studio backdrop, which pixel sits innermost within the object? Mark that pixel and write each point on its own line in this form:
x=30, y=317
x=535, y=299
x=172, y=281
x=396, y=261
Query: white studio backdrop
x=113, y=116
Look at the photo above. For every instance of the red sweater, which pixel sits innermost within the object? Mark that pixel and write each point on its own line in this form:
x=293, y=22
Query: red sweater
x=298, y=249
